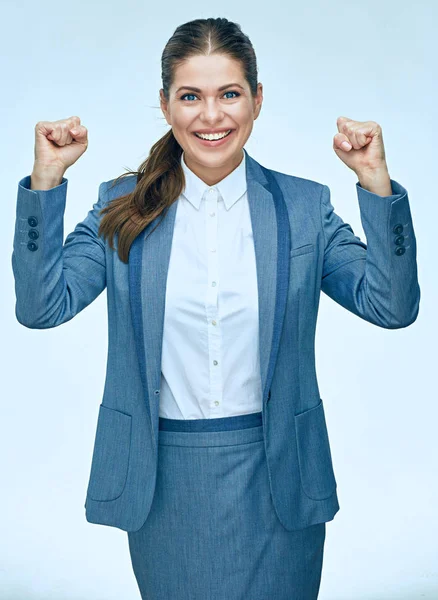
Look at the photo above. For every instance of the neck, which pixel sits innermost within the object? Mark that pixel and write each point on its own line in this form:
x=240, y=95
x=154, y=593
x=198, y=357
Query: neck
x=212, y=175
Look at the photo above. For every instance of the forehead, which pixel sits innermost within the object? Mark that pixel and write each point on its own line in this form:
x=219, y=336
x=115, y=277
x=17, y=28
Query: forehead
x=208, y=72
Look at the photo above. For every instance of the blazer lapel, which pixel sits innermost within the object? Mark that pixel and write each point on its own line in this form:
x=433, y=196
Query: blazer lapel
x=148, y=265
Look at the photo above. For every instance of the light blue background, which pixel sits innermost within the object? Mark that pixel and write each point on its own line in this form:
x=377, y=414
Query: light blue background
x=367, y=61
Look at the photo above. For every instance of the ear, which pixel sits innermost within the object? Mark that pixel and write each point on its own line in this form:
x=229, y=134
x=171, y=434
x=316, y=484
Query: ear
x=164, y=106
x=258, y=100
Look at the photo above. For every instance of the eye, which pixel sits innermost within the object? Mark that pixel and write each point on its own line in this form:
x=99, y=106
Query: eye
x=183, y=97
x=233, y=92
x=229, y=92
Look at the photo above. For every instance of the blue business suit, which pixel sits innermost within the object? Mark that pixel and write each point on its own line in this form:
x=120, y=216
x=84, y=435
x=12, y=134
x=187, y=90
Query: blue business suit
x=301, y=248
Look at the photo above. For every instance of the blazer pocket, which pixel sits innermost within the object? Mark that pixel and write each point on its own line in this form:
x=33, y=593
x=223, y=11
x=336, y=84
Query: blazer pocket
x=302, y=250
x=314, y=456
x=109, y=466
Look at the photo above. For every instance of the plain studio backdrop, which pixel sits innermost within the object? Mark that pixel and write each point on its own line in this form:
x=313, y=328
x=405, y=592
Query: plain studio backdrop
x=101, y=61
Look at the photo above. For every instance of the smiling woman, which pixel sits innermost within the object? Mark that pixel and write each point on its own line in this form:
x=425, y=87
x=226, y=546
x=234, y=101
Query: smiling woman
x=211, y=447
x=212, y=530
x=210, y=98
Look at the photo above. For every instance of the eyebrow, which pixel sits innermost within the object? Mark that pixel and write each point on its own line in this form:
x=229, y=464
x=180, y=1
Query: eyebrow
x=195, y=89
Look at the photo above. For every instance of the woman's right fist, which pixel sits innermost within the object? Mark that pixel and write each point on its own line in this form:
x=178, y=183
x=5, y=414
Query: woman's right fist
x=59, y=144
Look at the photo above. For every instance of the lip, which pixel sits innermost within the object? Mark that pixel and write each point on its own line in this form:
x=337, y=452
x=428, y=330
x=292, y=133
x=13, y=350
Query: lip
x=213, y=130
x=215, y=143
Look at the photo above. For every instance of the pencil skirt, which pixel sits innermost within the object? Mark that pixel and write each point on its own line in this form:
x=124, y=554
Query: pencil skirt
x=212, y=532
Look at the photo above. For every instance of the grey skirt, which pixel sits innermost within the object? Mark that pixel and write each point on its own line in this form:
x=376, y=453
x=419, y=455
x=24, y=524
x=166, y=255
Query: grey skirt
x=212, y=532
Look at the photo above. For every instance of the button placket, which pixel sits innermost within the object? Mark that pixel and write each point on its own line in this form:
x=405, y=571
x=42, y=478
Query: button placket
x=214, y=334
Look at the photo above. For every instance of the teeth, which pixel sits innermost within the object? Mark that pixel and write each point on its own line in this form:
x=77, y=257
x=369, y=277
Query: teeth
x=212, y=136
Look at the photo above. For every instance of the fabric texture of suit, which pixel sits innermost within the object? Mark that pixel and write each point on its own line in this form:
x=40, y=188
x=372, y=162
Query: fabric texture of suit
x=301, y=246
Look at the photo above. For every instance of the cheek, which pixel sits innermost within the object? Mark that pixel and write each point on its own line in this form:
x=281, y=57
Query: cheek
x=244, y=117
x=181, y=119
x=181, y=124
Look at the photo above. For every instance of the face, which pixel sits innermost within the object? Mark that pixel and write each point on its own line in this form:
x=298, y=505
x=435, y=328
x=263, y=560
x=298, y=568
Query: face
x=210, y=108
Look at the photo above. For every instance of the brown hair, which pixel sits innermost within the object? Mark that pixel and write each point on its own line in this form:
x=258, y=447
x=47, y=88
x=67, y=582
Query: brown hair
x=160, y=178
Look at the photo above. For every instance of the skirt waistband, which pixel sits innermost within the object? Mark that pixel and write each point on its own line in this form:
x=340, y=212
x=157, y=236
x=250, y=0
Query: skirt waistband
x=222, y=431
x=218, y=424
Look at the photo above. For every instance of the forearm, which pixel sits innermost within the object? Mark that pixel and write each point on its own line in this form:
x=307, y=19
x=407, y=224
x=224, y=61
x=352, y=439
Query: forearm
x=377, y=281
x=54, y=280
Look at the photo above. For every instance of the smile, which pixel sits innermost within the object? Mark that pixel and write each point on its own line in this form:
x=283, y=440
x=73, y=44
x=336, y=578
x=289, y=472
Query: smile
x=214, y=140
x=212, y=136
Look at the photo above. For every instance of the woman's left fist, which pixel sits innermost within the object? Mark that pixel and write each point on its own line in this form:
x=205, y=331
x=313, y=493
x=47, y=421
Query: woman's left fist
x=365, y=151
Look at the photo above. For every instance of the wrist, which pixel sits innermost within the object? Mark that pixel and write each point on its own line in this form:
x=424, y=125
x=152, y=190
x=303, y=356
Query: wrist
x=376, y=181
x=45, y=180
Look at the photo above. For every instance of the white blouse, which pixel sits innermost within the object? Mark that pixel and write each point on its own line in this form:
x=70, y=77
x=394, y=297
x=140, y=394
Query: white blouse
x=210, y=360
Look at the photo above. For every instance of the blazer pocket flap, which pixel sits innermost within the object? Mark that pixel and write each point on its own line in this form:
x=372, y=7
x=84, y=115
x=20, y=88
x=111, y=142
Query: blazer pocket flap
x=302, y=250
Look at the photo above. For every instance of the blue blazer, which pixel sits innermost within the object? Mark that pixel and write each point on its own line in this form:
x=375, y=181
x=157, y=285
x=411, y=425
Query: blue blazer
x=301, y=247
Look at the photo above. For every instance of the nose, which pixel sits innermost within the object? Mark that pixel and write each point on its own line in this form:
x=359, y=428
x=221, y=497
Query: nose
x=212, y=112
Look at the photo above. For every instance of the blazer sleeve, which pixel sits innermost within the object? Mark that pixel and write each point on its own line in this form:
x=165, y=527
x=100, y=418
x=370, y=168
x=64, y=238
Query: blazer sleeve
x=54, y=281
x=376, y=281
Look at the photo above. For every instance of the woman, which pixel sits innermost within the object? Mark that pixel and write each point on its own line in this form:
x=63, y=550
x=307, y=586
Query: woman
x=211, y=447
